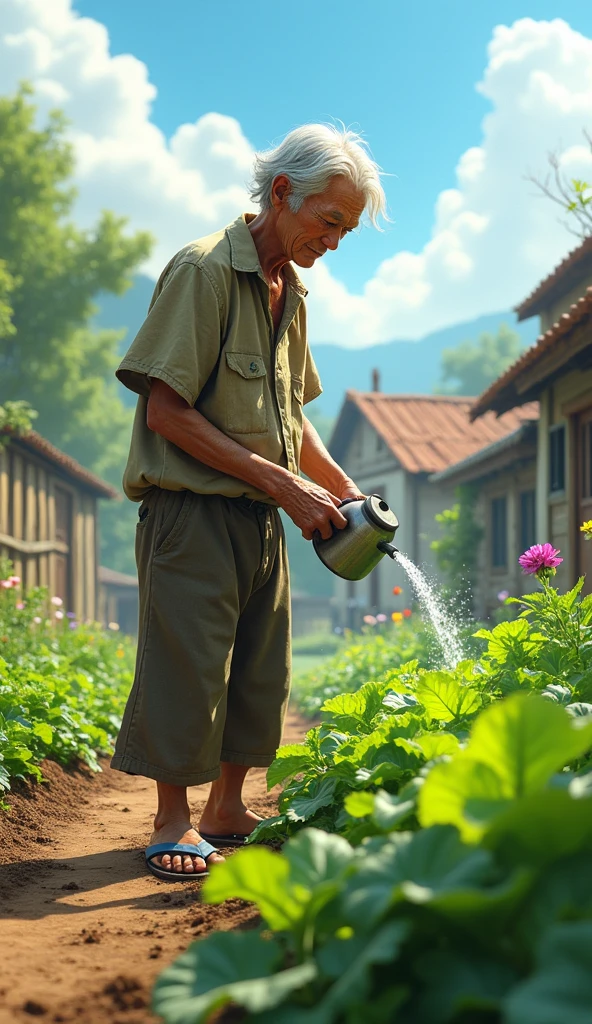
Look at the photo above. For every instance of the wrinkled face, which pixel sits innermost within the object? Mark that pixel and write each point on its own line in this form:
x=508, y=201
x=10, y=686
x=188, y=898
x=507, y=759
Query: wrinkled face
x=320, y=223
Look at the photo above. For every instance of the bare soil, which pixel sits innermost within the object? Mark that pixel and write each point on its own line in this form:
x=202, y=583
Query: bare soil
x=84, y=928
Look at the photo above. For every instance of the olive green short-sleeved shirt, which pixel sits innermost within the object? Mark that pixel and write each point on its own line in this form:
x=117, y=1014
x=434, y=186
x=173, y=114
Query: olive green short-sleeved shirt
x=209, y=335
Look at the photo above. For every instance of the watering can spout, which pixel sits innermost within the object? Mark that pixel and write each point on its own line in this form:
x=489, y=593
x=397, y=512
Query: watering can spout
x=387, y=549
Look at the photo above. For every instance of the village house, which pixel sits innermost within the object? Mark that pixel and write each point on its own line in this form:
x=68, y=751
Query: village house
x=392, y=445
x=48, y=521
x=556, y=372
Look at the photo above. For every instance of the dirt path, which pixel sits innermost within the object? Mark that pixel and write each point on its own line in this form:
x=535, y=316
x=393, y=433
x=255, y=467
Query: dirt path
x=84, y=930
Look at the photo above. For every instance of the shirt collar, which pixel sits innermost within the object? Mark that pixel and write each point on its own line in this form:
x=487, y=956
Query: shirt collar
x=244, y=255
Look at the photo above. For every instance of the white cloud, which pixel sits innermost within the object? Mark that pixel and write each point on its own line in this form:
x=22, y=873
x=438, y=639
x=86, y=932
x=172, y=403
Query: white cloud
x=493, y=237
x=179, y=188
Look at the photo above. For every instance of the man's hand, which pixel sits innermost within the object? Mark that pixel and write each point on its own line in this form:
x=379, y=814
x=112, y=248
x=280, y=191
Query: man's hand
x=349, y=490
x=310, y=506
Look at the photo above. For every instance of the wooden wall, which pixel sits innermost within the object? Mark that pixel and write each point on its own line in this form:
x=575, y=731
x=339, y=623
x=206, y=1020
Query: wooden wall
x=48, y=529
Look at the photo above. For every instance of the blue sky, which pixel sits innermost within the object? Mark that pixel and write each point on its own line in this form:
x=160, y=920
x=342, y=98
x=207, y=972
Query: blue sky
x=405, y=73
x=460, y=101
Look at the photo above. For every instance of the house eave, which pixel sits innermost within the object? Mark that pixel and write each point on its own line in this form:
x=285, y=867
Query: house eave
x=517, y=446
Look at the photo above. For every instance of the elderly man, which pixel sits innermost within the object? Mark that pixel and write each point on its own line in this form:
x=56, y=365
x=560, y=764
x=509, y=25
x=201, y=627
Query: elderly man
x=223, y=370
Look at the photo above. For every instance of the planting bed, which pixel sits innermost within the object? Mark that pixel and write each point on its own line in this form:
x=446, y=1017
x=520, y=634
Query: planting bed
x=84, y=929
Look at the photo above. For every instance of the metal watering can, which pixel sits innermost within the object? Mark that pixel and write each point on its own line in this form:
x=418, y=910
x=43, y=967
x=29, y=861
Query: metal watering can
x=353, y=551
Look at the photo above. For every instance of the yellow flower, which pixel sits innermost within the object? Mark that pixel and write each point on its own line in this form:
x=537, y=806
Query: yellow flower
x=120, y=653
x=397, y=617
x=586, y=529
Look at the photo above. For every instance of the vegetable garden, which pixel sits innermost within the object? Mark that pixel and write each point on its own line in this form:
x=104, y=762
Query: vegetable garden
x=435, y=826
x=439, y=832
x=63, y=684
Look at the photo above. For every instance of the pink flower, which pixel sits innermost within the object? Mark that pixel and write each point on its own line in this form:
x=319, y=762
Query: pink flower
x=5, y=584
x=504, y=594
x=20, y=605
x=381, y=617
x=538, y=558
x=15, y=580
x=369, y=620
x=57, y=601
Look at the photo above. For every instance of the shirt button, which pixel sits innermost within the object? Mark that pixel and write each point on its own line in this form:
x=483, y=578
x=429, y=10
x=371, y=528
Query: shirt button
x=253, y=367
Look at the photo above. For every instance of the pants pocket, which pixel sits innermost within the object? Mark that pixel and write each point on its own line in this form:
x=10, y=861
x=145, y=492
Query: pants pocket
x=174, y=513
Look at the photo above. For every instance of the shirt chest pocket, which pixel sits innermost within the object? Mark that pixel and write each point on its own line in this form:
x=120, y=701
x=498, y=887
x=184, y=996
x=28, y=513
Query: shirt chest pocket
x=246, y=398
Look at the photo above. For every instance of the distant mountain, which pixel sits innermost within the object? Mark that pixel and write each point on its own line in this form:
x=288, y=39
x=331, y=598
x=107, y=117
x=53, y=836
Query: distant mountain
x=404, y=366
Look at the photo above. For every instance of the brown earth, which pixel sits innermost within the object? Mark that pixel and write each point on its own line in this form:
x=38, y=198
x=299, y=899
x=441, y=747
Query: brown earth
x=84, y=928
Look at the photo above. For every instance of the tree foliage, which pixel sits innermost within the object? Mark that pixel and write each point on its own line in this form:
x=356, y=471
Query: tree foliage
x=469, y=368
x=50, y=270
x=456, y=549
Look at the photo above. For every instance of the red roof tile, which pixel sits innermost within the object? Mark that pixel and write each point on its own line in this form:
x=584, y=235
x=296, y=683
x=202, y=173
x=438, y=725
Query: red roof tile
x=565, y=275
x=427, y=433
x=66, y=463
x=579, y=312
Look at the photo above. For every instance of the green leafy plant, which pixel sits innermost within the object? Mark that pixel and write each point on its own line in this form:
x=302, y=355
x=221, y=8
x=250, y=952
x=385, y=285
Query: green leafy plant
x=475, y=913
x=63, y=684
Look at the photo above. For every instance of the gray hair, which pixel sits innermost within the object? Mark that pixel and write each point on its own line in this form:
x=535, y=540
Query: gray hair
x=310, y=156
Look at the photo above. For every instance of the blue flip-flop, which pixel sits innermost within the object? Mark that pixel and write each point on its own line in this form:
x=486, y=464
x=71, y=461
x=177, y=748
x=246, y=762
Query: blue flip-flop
x=202, y=849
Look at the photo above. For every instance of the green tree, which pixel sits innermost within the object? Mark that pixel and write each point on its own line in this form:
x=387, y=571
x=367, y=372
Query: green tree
x=471, y=367
x=50, y=271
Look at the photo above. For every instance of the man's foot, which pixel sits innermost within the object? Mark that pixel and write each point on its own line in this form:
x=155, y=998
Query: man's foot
x=216, y=822
x=183, y=863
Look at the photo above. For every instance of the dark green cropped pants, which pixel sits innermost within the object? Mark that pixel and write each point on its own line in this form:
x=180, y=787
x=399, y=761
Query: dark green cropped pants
x=213, y=665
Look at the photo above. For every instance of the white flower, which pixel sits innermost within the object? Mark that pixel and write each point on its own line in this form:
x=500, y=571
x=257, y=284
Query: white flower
x=57, y=601
x=37, y=619
x=114, y=625
x=59, y=615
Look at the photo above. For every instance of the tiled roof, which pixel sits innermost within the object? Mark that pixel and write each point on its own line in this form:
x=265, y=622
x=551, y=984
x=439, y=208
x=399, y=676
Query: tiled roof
x=66, y=463
x=566, y=273
x=427, y=433
x=579, y=312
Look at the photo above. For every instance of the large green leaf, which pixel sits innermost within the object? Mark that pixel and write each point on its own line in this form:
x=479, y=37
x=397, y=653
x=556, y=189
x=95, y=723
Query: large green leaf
x=319, y=795
x=560, y=990
x=262, y=877
x=350, y=965
x=541, y=828
x=512, y=642
x=223, y=968
x=415, y=866
x=525, y=740
x=459, y=980
x=562, y=892
x=437, y=744
x=355, y=712
x=286, y=765
x=387, y=811
x=316, y=857
x=400, y=703
x=444, y=698
x=464, y=793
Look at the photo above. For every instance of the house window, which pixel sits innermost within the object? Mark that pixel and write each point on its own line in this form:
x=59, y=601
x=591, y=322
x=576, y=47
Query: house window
x=499, y=532
x=527, y=519
x=557, y=459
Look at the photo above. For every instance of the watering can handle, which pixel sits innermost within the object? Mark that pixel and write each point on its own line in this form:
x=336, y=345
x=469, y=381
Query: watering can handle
x=346, y=501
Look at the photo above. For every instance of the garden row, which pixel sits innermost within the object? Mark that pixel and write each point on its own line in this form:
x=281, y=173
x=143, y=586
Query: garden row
x=436, y=868
x=63, y=684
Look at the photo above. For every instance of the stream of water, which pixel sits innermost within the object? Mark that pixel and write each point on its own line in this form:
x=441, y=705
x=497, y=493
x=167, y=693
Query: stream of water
x=445, y=628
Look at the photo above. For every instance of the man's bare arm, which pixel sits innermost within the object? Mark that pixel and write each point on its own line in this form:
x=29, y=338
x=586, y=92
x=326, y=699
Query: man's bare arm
x=311, y=506
x=316, y=462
